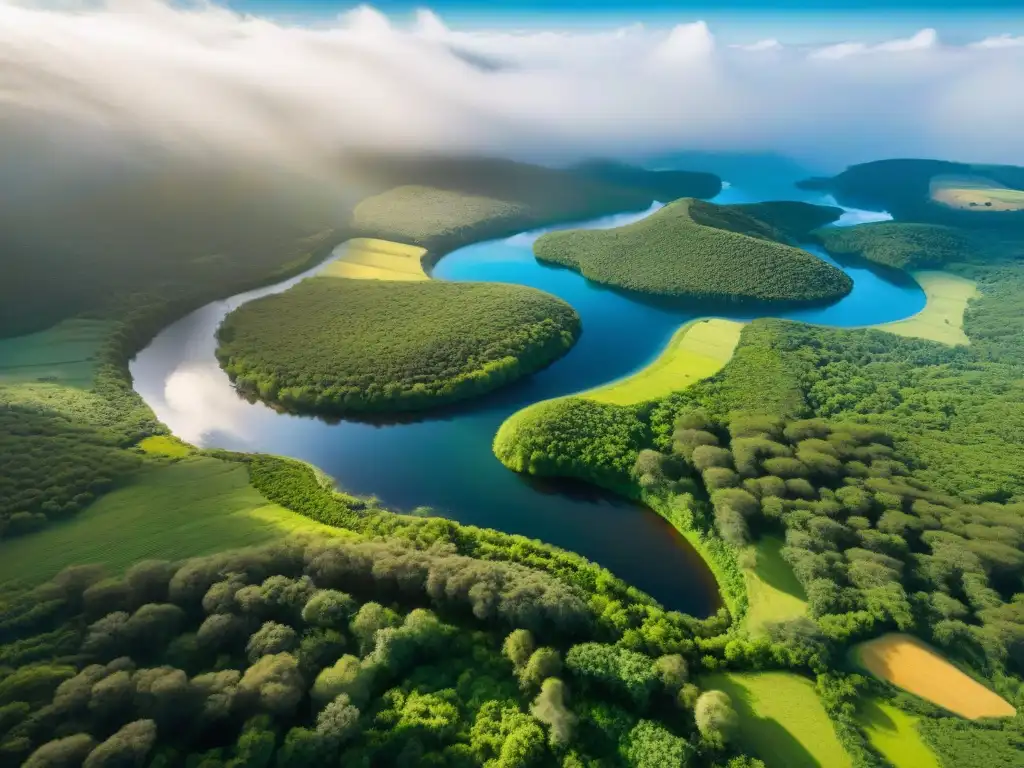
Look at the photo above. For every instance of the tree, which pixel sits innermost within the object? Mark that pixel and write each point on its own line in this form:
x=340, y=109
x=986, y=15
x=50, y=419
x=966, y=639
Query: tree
x=68, y=752
x=542, y=664
x=273, y=684
x=338, y=721
x=269, y=639
x=672, y=672
x=550, y=708
x=370, y=618
x=651, y=745
x=518, y=647
x=347, y=676
x=716, y=719
x=329, y=608
x=127, y=748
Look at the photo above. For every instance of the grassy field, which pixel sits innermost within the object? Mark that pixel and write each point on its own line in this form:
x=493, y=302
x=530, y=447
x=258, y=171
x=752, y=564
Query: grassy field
x=942, y=318
x=969, y=193
x=773, y=591
x=364, y=258
x=165, y=445
x=782, y=721
x=697, y=350
x=193, y=507
x=908, y=663
x=63, y=354
x=894, y=734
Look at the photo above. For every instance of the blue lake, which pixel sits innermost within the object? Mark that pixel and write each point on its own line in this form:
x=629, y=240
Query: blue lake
x=444, y=460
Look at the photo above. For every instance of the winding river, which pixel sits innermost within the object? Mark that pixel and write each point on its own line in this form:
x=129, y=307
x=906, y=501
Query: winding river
x=444, y=460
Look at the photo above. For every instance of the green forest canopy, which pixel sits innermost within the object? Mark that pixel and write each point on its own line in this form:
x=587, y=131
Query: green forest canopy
x=339, y=345
x=698, y=249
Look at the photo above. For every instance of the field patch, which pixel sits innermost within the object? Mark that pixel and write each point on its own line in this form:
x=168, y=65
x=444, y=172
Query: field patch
x=782, y=721
x=194, y=507
x=696, y=351
x=908, y=663
x=975, y=193
x=165, y=445
x=772, y=589
x=365, y=258
x=942, y=318
x=894, y=734
x=64, y=354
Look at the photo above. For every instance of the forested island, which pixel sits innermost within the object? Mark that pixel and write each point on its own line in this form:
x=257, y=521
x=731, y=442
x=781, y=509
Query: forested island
x=696, y=249
x=337, y=345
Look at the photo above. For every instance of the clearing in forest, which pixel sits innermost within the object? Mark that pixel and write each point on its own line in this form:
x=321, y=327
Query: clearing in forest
x=782, y=720
x=364, y=258
x=696, y=351
x=193, y=507
x=942, y=318
x=894, y=734
x=908, y=663
x=772, y=589
x=975, y=193
x=64, y=354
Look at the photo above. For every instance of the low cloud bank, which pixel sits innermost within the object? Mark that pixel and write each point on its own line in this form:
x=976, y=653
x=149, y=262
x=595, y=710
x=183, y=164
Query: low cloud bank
x=138, y=74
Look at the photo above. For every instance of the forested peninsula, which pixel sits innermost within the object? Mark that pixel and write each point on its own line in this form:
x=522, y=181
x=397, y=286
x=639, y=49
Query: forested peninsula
x=338, y=345
x=697, y=249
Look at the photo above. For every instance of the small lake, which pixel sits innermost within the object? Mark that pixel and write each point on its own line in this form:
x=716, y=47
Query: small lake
x=444, y=460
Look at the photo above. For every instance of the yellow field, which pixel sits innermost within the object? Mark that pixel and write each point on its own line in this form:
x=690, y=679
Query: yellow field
x=942, y=318
x=165, y=445
x=908, y=663
x=974, y=193
x=772, y=589
x=697, y=350
x=63, y=354
x=893, y=733
x=364, y=258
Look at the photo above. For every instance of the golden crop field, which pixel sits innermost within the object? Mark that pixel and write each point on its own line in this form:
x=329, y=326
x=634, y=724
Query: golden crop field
x=697, y=350
x=974, y=193
x=942, y=318
x=365, y=258
x=908, y=663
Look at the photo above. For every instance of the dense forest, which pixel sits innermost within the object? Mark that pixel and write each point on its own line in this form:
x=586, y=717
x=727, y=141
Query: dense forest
x=337, y=345
x=701, y=250
x=903, y=188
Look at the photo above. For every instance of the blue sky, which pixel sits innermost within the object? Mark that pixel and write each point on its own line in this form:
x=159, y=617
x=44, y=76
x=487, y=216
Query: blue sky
x=791, y=21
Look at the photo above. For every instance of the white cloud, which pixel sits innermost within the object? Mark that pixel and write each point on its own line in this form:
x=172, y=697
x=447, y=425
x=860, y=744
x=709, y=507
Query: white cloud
x=761, y=45
x=208, y=79
x=1000, y=41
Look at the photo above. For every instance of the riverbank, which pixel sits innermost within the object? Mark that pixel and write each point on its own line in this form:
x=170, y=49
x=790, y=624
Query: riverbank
x=942, y=319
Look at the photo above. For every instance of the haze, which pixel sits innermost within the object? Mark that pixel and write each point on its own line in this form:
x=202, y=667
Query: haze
x=95, y=80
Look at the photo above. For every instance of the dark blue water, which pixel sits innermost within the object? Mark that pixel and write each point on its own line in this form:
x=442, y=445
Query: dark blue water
x=444, y=460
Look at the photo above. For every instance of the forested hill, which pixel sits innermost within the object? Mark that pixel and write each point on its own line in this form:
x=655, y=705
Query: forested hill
x=698, y=249
x=903, y=187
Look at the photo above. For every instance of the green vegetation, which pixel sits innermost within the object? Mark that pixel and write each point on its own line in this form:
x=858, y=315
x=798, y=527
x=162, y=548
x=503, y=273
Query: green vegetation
x=781, y=719
x=337, y=345
x=773, y=592
x=993, y=745
x=193, y=507
x=894, y=734
x=664, y=186
x=696, y=351
x=165, y=445
x=904, y=188
x=697, y=249
x=899, y=245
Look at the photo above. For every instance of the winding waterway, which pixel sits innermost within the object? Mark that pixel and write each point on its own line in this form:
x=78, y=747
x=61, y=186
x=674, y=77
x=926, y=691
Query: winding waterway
x=444, y=460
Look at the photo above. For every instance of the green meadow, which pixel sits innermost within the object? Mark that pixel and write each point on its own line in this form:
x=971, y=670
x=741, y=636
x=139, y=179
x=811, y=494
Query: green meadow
x=773, y=591
x=782, y=721
x=193, y=507
x=894, y=734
